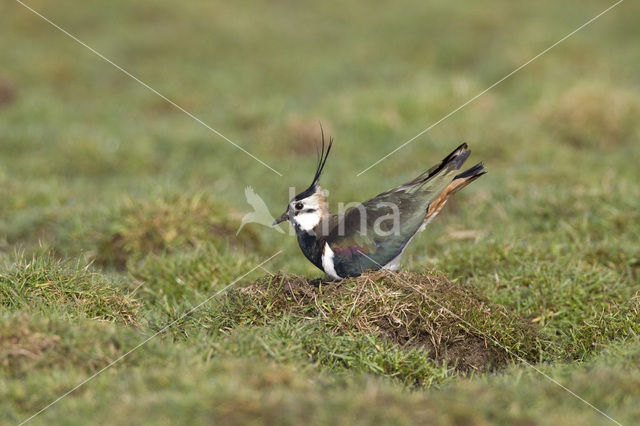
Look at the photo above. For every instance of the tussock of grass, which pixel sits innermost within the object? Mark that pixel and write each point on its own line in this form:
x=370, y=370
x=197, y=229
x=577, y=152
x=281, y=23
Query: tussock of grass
x=593, y=115
x=452, y=321
x=44, y=283
x=142, y=227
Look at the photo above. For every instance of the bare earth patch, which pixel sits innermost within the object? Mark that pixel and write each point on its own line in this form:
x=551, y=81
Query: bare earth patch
x=452, y=321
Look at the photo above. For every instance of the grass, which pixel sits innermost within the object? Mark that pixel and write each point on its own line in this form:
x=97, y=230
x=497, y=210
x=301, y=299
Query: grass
x=167, y=224
x=119, y=213
x=411, y=310
x=44, y=284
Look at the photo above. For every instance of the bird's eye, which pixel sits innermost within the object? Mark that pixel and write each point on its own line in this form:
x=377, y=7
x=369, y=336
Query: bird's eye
x=299, y=206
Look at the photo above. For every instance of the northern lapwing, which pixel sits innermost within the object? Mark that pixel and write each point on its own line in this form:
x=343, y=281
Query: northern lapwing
x=373, y=234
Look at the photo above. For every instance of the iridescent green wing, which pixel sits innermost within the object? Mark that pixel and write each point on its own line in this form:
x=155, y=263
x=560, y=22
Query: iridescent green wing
x=372, y=234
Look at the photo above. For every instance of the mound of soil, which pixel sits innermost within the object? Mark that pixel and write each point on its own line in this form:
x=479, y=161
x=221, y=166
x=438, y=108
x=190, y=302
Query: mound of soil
x=453, y=322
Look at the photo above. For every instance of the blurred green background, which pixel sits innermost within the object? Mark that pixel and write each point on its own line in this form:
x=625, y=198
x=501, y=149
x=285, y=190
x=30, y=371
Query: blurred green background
x=97, y=170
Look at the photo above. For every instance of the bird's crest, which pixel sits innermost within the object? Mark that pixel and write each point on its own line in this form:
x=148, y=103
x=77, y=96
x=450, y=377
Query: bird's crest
x=322, y=157
x=323, y=154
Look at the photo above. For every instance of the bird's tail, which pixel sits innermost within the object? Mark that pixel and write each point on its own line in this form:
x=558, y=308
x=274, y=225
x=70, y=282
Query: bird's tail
x=432, y=182
x=436, y=185
x=449, y=164
x=459, y=181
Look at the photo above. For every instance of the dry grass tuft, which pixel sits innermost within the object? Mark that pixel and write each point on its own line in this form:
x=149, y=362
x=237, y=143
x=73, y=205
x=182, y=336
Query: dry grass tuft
x=452, y=321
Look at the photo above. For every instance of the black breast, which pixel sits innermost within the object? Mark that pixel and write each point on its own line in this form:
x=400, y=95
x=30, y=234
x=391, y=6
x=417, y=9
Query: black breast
x=311, y=247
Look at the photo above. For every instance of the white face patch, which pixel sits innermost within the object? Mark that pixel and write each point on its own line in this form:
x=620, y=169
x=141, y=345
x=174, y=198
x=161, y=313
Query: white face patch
x=312, y=211
x=307, y=221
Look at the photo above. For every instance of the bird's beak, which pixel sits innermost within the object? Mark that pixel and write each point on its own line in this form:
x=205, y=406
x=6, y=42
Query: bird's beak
x=285, y=216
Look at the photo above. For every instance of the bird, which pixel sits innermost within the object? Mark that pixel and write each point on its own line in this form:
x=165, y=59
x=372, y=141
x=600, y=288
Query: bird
x=373, y=234
x=260, y=213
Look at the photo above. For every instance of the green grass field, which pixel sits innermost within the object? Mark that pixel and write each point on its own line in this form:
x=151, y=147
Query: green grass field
x=118, y=213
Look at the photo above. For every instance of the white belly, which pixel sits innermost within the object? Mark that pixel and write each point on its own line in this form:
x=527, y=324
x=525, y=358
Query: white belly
x=327, y=262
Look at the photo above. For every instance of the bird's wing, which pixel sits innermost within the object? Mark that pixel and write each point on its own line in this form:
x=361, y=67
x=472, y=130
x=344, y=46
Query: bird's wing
x=373, y=233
